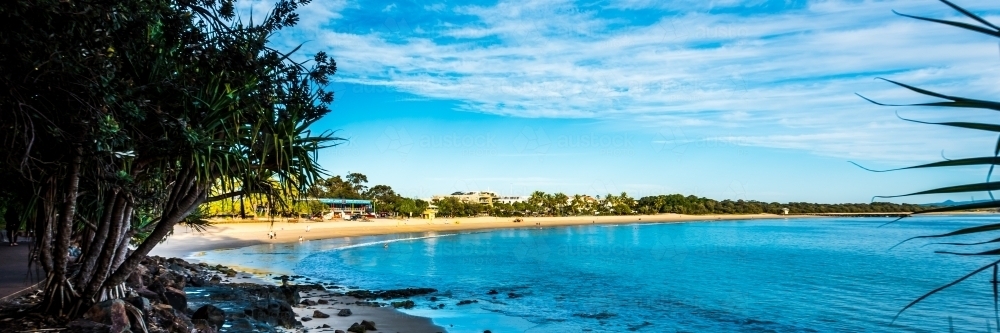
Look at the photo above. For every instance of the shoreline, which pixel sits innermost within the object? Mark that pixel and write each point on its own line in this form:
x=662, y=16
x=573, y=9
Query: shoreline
x=186, y=243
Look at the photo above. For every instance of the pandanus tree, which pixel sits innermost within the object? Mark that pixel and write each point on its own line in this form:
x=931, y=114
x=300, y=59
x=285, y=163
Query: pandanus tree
x=982, y=26
x=121, y=117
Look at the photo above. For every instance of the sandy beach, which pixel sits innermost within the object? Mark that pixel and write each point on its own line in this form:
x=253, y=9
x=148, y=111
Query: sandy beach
x=227, y=234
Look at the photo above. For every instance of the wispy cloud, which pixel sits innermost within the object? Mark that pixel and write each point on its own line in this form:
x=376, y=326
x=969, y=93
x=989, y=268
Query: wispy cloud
x=771, y=73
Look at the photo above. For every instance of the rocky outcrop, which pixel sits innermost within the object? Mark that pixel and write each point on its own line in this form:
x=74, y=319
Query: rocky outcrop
x=390, y=294
x=214, y=316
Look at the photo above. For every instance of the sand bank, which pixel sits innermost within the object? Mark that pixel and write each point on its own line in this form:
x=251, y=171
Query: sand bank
x=186, y=241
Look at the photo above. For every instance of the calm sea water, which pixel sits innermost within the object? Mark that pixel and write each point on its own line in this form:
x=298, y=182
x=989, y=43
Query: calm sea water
x=795, y=275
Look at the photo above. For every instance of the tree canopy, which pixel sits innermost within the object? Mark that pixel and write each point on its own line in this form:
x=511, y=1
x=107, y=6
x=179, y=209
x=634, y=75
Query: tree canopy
x=122, y=117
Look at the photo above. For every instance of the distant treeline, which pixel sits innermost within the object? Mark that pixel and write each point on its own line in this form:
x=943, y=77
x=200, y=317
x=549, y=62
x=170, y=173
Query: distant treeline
x=354, y=186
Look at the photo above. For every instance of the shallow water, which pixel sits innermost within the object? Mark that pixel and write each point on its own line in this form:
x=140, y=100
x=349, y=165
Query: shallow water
x=796, y=275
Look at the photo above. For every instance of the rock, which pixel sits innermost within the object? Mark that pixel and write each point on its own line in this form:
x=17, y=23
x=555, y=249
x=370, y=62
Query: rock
x=240, y=325
x=487, y=331
x=306, y=319
x=290, y=294
x=308, y=302
x=467, y=302
x=513, y=295
x=148, y=294
x=87, y=326
x=344, y=312
x=323, y=301
x=119, y=317
x=407, y=304
x=600, y=315
x=113, y=313
x=390, y=294
x=202, y=326
x=339, y=331
x=369, y=325
x=318, y=314
x=176, y=298
x=434, y=299
x=215, y=279
x=357, y=328
x=140, y=303
x=215, y=317
x=492, y=292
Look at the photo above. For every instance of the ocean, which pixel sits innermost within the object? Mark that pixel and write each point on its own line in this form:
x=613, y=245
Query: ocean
x=782, y=275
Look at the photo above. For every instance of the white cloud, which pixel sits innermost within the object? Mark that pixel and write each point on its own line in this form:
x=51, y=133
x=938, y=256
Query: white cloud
x=389, y=8
x=785, y=80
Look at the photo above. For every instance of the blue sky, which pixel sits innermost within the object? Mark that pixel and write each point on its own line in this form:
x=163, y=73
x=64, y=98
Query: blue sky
x=724, y=99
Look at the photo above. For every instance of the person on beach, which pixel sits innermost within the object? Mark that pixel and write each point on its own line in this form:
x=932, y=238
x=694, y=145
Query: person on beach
x=307, y=228
x=13, y=223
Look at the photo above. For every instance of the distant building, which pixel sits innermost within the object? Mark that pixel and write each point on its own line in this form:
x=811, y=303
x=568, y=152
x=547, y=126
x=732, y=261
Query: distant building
x=511, y=199
x=784, y=211
x=481, y=197
x=429, y=212
x=345, y=207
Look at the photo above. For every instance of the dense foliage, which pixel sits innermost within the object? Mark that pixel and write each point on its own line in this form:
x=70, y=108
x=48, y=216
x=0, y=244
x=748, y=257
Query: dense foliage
x=539, y=203
x=122, y=117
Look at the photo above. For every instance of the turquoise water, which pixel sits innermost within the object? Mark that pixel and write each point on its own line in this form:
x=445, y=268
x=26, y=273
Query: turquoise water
x=797, y=275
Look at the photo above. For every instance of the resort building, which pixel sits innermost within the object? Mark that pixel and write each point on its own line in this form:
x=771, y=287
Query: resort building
x=340, y=208
x=511, y=199
x=429, y=212
x=482, y=197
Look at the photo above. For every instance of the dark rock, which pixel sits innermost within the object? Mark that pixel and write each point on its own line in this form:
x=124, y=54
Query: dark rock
x=339, y=331
x=407, y=304
x=323, y=301
x=599, y=315
x=308, y=302
x=492, y=292
x=175, y=297
x=357, y=328
x=318, y=314
x=434, y=299
x=390, y=294
x=215, y=317
x=369, y=325
x=87, y=326
x=141, y=303
x=487, y=331
x=148, y=294
x=513, y=295
x=119, y=317
x=202, y=326
x=306, y=319
x=240, y=325
x=344, y=312
x=290, y=294
x=441, y=306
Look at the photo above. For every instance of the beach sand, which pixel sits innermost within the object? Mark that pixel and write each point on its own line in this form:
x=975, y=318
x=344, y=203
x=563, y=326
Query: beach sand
x=184, y=242
x=226, y=234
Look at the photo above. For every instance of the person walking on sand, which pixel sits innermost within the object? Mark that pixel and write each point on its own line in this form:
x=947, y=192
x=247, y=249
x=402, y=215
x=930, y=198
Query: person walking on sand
x=13, y=223
x=307, y=228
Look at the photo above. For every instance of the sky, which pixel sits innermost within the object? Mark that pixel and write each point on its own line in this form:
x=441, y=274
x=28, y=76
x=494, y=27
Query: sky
x=726, y=99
